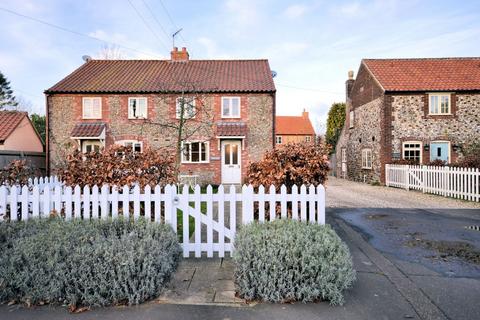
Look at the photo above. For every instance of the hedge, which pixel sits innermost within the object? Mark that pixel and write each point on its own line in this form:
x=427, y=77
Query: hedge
x=287, y=260
x=85, y=263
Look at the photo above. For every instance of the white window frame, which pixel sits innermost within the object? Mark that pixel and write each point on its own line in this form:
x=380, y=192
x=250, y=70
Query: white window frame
x=207, y=152
x=278, y=139
x=344, y=155
x=91, y=142
x=438, y=107
x=130, y=112
x=133, y=142
x=230, y=115
x=177, y=111
x=351, y=118
x=410, y=149
x=367, y=158
x=98, y=114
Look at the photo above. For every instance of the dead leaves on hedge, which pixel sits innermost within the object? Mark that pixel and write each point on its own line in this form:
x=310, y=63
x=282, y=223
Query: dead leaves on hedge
x=120, y=166
x=291, y=164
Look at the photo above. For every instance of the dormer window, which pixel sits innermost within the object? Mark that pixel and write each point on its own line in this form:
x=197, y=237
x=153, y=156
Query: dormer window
x=439, y=103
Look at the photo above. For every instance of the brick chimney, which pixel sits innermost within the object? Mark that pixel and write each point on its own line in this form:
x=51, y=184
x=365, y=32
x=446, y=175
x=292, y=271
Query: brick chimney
x=305, y=114
x=349, y=84
x=176, y=55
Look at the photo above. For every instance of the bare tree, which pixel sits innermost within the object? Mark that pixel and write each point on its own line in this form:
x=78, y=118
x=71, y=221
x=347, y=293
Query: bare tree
x=110, y=52
x=194, y=118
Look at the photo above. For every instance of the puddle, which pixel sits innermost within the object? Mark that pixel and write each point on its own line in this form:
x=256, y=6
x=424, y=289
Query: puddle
x=449, y=249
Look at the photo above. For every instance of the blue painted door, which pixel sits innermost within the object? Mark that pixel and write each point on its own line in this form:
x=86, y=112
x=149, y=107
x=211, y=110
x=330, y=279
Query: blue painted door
x=439, y=150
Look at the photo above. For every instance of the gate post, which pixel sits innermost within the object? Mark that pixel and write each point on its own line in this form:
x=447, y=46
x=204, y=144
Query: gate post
x=407, y=178
x=247, y=204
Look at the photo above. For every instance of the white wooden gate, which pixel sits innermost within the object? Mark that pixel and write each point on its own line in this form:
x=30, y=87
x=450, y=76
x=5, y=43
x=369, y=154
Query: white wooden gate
x=208, y=221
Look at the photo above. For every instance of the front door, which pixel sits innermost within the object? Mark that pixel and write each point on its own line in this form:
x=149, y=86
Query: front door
x=231, y=162
x=439, y=151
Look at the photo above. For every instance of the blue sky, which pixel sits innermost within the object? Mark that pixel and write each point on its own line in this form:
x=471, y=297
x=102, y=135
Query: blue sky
x=310, y=44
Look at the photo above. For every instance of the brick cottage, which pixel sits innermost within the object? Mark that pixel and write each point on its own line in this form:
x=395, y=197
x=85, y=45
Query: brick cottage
x=106, y=102
x=414, y=109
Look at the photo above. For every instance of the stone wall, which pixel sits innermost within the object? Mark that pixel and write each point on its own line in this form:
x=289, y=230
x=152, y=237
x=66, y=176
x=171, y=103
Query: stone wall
x=257, y=111
x=410, y=122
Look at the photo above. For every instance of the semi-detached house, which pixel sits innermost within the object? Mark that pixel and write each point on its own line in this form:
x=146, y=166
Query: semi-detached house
x=414, y=109
x=106, y=102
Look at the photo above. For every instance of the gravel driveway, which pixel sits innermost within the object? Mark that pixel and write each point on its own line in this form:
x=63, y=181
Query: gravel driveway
x=349, y=194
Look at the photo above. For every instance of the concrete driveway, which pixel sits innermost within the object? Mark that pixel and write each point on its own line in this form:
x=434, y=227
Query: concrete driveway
x=423, y=236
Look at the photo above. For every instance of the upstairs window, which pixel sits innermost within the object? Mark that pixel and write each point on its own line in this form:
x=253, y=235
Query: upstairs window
x=412, y=150
x=367, y=159
x=278, y=139
x=351, y=118
x=137, y=108
x=439, y=104
x=230, y=107
x=188, y=106
x=92, y=108
x=195, y=152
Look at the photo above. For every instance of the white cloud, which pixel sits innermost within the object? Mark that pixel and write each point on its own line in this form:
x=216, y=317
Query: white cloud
x=295, y=11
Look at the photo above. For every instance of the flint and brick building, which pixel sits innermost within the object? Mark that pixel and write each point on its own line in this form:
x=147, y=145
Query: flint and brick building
x=415, y=109
x=131, y=102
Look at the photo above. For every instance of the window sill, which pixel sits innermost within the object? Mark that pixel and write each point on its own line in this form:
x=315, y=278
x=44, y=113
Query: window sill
x=203, y=162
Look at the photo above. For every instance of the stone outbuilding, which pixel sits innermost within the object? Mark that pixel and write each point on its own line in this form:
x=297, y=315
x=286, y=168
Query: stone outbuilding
x=420, y=110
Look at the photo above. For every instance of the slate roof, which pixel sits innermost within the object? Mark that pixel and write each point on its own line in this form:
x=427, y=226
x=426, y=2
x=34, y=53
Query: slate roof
x=9, y=120
x=88, y=130
x=231, y=129
x=293, y=125
x=143, y=76
x=430, y=74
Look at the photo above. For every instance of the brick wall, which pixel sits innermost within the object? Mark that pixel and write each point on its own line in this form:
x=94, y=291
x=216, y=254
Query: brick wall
x=257, y=111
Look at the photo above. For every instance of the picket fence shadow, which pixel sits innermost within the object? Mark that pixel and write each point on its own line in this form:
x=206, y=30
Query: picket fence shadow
x=213, y=216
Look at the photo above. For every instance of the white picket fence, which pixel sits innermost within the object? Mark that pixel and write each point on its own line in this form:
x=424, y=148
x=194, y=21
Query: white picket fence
x=214, y=223
x=462, y=183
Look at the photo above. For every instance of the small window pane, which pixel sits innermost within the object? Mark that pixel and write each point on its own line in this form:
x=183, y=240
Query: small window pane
x=195, y=152
x=186, y=152
x=227, y=154
x=235, y=107
x=204, y=152
x=234, y=154
x=226, y=107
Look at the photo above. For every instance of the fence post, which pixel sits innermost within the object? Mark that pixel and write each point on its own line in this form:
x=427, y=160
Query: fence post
x=3, y=203
x=387, y=175
x=247, y=204
x=407, y=176
x=321, y=204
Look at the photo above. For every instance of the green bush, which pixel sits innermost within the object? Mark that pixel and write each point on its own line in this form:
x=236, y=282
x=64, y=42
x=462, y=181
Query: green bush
x=89, y=263
x=287, y=260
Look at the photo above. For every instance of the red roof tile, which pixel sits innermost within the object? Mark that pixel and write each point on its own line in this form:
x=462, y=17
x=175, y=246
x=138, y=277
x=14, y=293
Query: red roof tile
x=431, y=74
x=291, y=125
x=231, y=129
x=9, y=120
x=88, y=130
x=168, y=76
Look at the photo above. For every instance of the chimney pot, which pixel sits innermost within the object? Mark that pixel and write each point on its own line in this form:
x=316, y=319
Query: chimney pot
x=184, y=49
x=350, y=75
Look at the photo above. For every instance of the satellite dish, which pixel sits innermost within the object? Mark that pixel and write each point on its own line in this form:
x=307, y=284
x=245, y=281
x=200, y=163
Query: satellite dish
x=274, y=74
x=86, y=58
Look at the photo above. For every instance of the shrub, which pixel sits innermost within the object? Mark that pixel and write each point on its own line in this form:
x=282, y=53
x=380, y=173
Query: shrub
x=408, y=162
x=90, y=263
x=291, y=164
x=437, y=163
x=287, y=260
x=119, y=165
x=17, y=172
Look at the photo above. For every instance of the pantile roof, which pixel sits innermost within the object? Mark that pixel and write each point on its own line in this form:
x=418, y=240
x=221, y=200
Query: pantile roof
x=231, y=129
x=9, y=120
x=291, y=125
x=430, y=74
x=124, y=76
x=88, y=130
